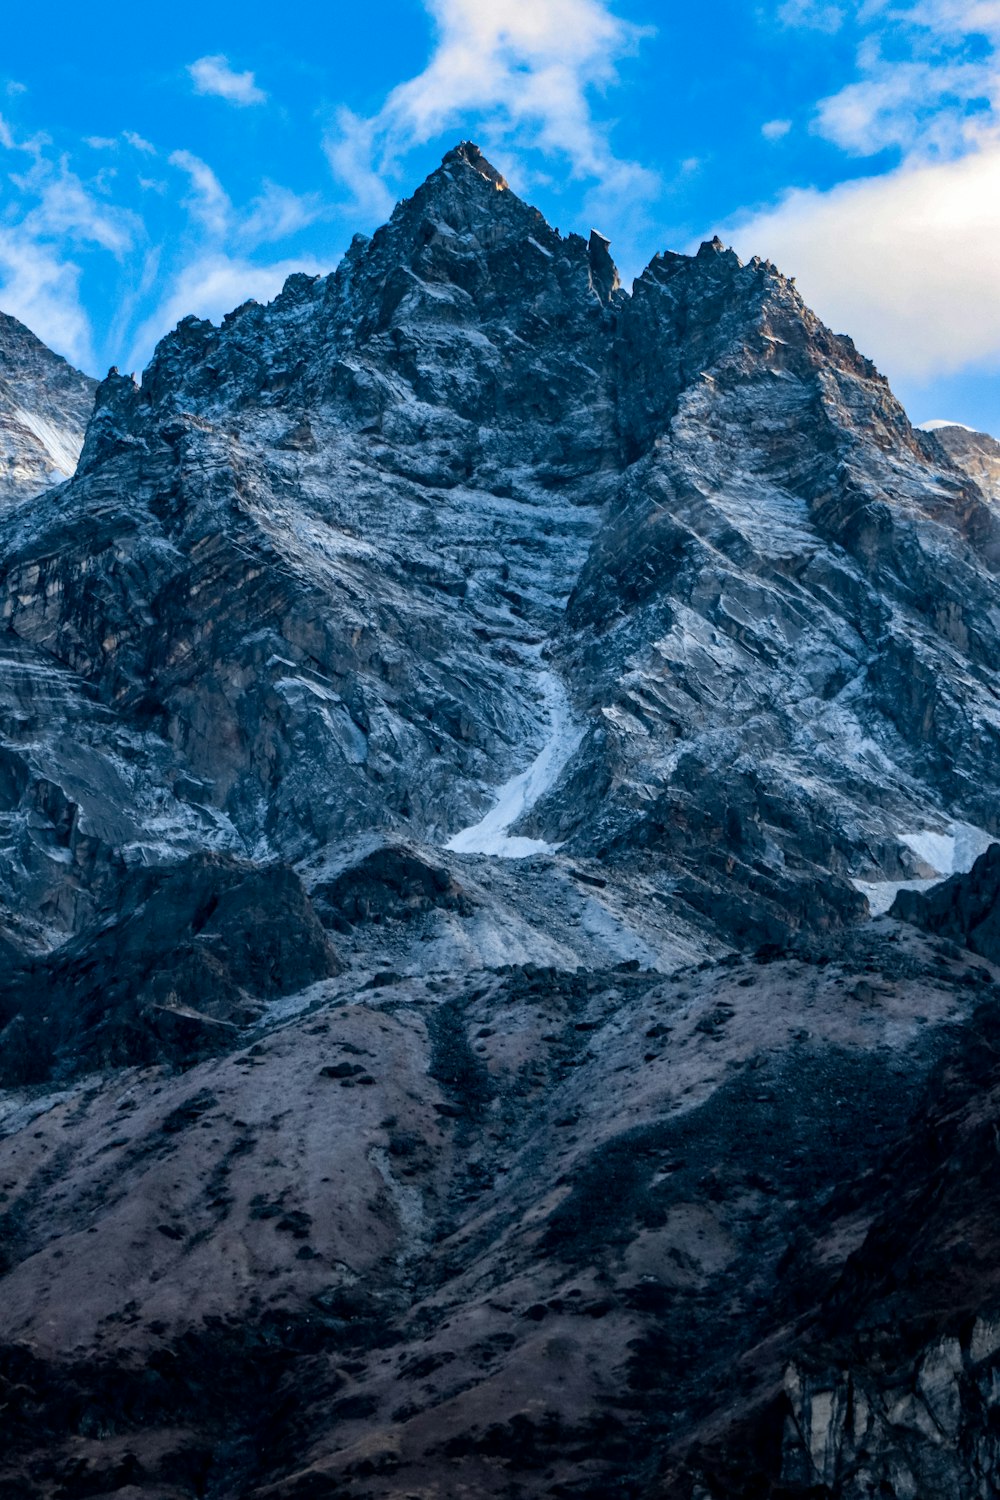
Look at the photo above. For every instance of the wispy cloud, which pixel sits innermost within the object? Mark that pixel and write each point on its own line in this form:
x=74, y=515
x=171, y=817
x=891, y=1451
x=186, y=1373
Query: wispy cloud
x=63, y=229
x=61, y=215
x=928, y=79
x=68, y=210
x=775, y=130
x=524, y=73
x=208, y=200
x=213, y=75
x=138, y=142
x=42, y=288
x=218, y=269
x=277, y=213
x=32, y=145
x=817, y=15
x=906, y=262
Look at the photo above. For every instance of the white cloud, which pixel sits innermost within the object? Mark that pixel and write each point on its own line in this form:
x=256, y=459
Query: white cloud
x=351, y=152
x=101, y=142
x=34, y=146
x=43, y=290
x=39, y=281
x=775, y=130
x=61, y=229
x=928, y=79
x=276, y=213
x=208, y=200
x=58, y=216
x=905, y=262
x=930, y=106
x=138, y=142
x=524, y=72
x=213, y=75
x=66, y=209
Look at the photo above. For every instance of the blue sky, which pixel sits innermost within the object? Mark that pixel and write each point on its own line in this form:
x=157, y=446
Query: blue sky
x=193, y=157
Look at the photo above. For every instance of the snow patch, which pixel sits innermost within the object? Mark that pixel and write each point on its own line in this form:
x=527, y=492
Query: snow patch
x=882, y=893
x=936, y=423
x=950, y=853
x=519, y=795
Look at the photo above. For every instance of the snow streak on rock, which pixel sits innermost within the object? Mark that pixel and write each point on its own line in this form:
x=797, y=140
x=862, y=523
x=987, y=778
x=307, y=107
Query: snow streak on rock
x=491, y=835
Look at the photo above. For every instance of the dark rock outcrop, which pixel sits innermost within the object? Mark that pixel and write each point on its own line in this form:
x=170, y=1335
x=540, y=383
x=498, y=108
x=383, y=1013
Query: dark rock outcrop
x=965, y=908
x=392, y=883
x=187, y=960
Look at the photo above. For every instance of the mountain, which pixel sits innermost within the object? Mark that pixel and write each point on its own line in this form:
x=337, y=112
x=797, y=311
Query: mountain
x=44, y=408
x=461, y=727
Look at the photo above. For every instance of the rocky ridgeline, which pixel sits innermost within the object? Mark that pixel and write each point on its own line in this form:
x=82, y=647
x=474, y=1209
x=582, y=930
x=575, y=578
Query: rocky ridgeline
x=455, y=726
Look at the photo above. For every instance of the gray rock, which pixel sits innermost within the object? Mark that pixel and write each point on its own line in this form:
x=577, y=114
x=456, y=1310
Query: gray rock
x=964, y=909
x=975, y=453
x=45, y=405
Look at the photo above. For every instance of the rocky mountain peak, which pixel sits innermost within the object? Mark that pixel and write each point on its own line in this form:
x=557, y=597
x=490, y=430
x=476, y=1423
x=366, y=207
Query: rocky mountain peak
x=543, y=507
x=468, y=154
x=714, y=246
x=44, y=407
x=461, y=727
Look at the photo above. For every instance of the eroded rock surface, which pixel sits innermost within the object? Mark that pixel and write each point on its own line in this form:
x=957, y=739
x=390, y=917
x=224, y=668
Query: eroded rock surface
x=189, y=954
x=533, y=1232
x=965, y=908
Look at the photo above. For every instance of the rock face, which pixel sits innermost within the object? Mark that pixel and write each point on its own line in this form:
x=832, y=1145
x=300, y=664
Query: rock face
x=189, y=950
x=976, y=453
x=45, y=406
x=455, y=726
x=352, y=560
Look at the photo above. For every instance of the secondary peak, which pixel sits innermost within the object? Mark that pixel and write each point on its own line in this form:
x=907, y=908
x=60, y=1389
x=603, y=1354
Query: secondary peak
x=468, y=154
